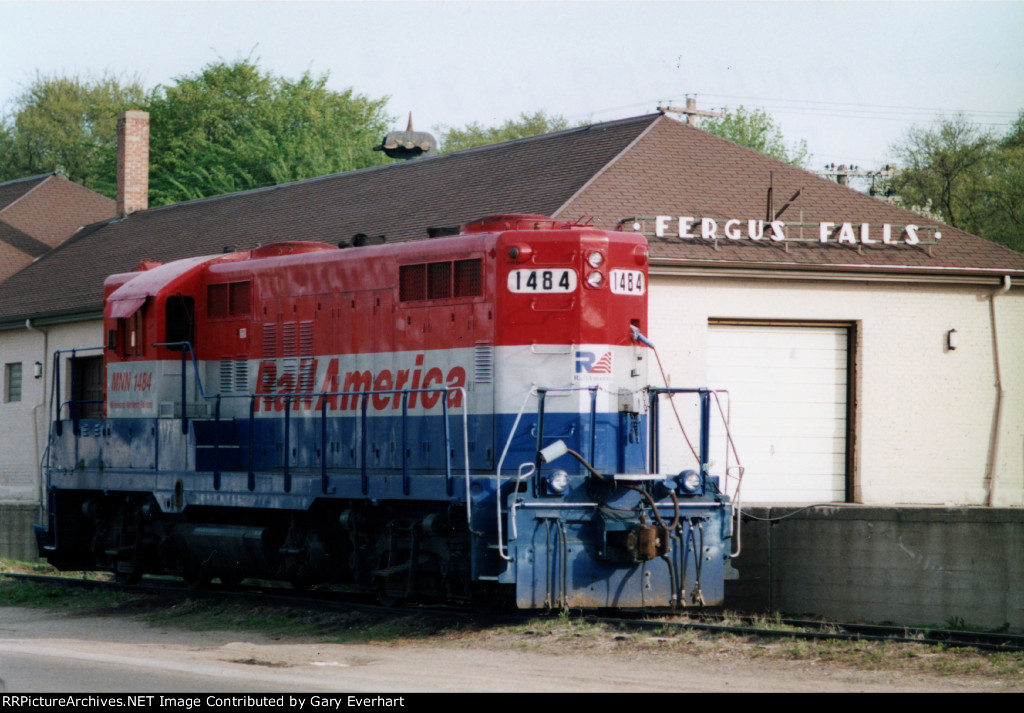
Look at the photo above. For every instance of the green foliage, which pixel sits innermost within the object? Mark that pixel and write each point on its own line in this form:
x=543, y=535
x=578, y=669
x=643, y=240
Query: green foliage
x=232, y=127
x=973, y=180
x=67, y=125
x=756, y=130
x=466, y=137
x=229, y=127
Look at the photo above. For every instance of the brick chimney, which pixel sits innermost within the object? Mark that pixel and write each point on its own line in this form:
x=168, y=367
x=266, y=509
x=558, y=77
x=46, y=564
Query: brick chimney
x=132, y=161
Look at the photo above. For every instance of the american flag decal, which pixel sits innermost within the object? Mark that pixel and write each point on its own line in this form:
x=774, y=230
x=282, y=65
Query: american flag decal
x=603, y=365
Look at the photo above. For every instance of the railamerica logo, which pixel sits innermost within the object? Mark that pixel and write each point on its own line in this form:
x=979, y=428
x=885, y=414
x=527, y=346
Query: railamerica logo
x=591, y=366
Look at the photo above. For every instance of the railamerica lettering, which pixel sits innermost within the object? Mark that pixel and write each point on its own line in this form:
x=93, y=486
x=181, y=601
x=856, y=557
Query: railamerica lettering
x=277, y=385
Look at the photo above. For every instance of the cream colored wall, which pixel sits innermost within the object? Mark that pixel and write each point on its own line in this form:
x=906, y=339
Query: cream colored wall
x=24, y=425
x=925, y=416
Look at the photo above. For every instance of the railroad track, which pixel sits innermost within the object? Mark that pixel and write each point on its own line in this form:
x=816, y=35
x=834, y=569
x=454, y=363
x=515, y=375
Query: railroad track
x=759, y=626
x=812, y=629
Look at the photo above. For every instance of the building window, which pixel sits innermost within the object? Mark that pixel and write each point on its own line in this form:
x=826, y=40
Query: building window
x=12, y=382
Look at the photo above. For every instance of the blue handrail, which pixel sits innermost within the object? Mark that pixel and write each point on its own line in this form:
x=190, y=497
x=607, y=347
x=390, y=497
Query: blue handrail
x=188, y=354
x=705, y=424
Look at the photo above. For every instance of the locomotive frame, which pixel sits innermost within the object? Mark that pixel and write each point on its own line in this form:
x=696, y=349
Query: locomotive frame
x=461, y=418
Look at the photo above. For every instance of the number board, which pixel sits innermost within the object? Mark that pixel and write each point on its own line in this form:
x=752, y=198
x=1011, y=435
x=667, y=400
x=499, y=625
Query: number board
x=628, y=282
x=554, y=280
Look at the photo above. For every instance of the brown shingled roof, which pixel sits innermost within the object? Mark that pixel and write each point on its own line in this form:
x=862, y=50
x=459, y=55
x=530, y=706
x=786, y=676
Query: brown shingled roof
x=40, y=212
x=678, y=170
x=644, y=166
x=11, y=191
x=401, y=200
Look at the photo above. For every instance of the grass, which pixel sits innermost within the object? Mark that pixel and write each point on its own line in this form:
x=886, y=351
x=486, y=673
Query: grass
x=551, y=634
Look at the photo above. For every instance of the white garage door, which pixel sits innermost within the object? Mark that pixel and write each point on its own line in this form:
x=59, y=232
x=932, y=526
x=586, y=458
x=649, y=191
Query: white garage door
x=788, y=389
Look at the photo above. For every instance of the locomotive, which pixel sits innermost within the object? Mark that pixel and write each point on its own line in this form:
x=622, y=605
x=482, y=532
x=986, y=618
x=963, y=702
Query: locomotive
x=463, y=418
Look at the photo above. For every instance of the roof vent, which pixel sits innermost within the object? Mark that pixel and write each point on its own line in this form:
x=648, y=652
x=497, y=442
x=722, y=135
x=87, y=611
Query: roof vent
x=407, y=144
x=512, y=221
x=361, y=240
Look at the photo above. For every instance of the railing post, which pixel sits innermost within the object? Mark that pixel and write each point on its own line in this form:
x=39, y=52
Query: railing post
x=364, y=475
x=405, y=441
x=216, y=445
x=184, y=395
x=705, y=430
x=252, y=440
x=447, y=444
x=593, y=422
x=541, y=394
x=323, y=444
x=56, y=392
x=74, y=388
x=287, y=442
x=652, y=436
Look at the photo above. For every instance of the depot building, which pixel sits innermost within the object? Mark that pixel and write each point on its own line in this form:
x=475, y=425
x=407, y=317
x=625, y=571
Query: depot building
x=867, y=355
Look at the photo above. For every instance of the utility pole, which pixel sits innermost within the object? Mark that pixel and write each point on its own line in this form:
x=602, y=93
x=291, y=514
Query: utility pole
x=690, y=111
x=842, y=174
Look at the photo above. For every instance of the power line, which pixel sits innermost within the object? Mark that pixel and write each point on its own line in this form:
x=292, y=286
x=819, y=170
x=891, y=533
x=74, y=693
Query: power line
x=832, y=109
x=862, y=105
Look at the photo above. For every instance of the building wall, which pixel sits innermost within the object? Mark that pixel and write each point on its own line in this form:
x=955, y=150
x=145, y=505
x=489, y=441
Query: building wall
x=24, y=425
x=924, y=415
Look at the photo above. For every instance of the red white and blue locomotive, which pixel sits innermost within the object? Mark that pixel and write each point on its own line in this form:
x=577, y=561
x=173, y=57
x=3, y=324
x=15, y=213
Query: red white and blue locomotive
x=456, y=418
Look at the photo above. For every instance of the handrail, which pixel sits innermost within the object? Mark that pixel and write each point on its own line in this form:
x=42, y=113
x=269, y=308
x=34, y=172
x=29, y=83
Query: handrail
x=363, y=396
x=541, y=393
x=55, y=391
x=705, y=423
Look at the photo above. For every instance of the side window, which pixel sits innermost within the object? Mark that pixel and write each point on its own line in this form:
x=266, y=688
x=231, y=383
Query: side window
x=229, y=299
x=133, y=335
x=12, y=382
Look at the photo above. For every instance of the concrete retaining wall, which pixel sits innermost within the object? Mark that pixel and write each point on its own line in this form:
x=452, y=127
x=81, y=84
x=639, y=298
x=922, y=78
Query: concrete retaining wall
x=17, y=539
x=909, y=565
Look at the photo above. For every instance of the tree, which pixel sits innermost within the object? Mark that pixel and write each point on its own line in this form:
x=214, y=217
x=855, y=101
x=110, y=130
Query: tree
x=756, y=130
x=232, y=127
x=67, y=125
x=946, y=165
x=1006, y=219
x=456, y=139
x=975, y=181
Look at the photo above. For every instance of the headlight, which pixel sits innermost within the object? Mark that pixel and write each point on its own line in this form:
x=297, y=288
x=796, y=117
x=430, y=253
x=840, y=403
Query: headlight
x=595, y=279
x=557, y=482
x=595, y=259
x=691, y=481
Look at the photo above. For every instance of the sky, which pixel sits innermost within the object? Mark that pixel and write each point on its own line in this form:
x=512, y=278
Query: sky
x=849, y=78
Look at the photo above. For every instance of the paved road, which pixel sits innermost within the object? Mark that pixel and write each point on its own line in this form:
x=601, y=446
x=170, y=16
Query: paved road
x=47, y=651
